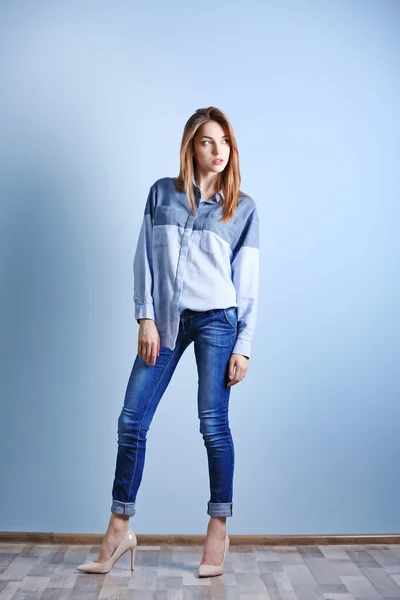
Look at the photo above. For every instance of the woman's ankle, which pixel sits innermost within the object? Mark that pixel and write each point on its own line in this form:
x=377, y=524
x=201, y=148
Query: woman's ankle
x=118, y=522
x=217, y=524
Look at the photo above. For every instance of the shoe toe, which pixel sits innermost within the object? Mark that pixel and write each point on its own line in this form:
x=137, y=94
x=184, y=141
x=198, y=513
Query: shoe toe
x=86, y=566
x=203, y=571
x=210, y=570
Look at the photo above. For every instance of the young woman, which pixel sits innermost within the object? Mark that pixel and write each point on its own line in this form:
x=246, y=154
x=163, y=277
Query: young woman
x=196, y=271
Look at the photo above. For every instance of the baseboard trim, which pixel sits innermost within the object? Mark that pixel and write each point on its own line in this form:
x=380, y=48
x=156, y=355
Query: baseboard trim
x=18, y=537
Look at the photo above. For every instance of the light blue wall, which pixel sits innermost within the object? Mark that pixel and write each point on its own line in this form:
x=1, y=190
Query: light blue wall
x=93, y=103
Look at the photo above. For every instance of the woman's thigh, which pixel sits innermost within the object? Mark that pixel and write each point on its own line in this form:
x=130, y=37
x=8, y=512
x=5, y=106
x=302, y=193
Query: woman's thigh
x=147, y=383
x=214, y=337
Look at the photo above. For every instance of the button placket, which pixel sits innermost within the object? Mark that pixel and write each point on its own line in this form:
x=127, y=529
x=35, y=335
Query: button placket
x=182, y=260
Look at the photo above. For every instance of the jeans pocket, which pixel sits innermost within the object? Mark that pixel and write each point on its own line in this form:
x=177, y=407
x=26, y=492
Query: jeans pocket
x=230, y=315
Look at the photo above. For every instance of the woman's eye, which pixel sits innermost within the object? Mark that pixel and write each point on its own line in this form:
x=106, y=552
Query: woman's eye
x=204, y=142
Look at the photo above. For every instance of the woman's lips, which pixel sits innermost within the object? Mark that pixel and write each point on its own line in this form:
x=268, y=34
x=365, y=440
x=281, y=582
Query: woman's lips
x=217, y=162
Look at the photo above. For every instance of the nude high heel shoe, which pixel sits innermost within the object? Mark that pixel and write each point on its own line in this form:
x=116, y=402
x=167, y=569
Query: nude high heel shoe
x=128, y=542
x=211, y=570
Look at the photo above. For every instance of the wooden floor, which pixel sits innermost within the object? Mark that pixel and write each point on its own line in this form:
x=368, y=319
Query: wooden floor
x=325, y=572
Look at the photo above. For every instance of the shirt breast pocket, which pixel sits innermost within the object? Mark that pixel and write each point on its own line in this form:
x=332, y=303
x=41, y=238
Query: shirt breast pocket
x=165, y=224
x=211, y=238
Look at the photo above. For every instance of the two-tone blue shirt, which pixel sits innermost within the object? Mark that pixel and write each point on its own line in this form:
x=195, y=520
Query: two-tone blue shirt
x=196, y=261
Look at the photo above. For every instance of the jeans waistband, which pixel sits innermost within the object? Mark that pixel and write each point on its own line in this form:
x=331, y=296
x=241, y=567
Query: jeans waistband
x=189, y=311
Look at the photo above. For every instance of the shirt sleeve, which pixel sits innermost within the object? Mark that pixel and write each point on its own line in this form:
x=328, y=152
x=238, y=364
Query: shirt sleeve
x=143, y=264
x=245, y=277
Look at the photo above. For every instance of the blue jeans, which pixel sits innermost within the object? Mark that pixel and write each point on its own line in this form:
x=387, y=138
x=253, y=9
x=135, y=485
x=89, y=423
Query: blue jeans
x=213, y=333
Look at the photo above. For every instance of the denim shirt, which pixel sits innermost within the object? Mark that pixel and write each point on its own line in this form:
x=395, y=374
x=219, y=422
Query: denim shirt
x=195, y=261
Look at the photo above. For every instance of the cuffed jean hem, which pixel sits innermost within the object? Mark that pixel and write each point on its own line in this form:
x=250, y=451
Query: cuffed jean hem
x=123, y=508
x=219, y=509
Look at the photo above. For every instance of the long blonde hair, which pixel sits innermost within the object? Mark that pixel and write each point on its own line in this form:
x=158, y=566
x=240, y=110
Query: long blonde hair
x=230, y=176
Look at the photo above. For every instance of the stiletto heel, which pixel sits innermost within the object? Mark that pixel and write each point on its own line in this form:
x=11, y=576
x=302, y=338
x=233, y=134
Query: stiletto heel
x=128, y=542
x=211, y=570
x=133, y=553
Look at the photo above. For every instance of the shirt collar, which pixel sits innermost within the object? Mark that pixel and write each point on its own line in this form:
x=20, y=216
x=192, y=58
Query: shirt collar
x=218, y=196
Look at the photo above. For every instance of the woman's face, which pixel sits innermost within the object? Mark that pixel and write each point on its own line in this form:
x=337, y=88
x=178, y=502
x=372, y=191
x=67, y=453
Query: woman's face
x=210, y=144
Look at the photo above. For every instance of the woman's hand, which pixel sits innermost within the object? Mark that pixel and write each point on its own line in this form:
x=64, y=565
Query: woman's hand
x=148, y=341
x=240, y=363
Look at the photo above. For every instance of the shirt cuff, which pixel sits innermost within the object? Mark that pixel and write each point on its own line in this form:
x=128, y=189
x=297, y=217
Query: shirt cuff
x=144, y=311
x=242, y=346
